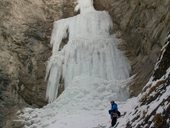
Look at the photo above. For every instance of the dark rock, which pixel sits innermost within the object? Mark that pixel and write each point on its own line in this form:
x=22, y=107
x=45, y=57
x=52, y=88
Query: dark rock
x=156, y=92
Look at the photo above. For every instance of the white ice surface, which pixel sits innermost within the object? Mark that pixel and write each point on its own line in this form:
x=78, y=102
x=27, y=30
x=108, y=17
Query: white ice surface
x=84, y=104
x=91, y=50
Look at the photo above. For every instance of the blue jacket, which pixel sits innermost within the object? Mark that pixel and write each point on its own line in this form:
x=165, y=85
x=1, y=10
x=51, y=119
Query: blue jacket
x=114, y=107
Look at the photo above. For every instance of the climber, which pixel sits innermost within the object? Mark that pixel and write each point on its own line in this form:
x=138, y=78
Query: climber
x=114, y=113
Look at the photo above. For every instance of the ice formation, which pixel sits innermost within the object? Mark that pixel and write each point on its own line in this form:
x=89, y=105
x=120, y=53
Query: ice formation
x=93, y=69
x=91, y=50
x=84, y=104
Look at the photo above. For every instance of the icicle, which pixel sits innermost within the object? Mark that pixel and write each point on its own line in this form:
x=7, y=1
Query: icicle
x=53, y=74
x=58, y=34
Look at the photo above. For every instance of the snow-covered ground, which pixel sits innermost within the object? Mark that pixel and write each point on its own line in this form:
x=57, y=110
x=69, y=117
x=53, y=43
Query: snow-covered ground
x=49, y=117
x=151, y=103
x=87, y=106
x=82, y=105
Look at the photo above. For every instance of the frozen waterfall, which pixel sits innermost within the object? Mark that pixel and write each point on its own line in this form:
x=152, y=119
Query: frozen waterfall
x=91, y=67
x=91, y=51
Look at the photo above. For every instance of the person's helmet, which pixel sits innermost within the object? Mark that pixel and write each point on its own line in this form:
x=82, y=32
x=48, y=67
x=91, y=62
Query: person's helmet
x=112, y=101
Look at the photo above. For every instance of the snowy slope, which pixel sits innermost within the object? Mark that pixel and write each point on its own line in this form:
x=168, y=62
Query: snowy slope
x=82, y=105
x=152, y=106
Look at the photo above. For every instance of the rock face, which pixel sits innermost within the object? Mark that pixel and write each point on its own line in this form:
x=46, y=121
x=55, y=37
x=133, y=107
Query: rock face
x=25, y=28
x=24, y=49
x=153, y=109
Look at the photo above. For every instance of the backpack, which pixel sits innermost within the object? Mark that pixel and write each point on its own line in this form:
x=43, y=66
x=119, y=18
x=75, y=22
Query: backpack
x=114, y=113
